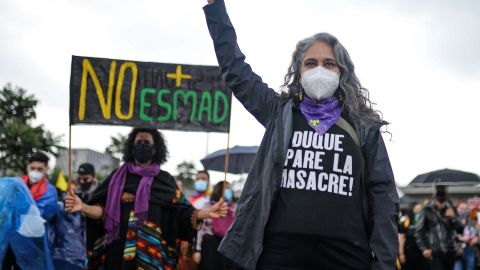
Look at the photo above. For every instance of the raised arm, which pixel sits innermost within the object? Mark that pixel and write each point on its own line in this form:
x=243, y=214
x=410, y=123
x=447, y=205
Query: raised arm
x=383, y=201
x=247, y=86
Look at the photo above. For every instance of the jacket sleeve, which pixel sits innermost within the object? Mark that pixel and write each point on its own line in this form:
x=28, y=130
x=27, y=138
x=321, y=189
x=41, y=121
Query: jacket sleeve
x=421, y=230
x=247, y=86
x=384, y=205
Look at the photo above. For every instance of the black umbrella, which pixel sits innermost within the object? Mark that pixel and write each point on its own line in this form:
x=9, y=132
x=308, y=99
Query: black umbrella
x=240, y=159
x=446, y=176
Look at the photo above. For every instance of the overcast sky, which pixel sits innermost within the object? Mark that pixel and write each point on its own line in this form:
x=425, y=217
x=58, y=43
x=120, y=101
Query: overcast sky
x=419, y=59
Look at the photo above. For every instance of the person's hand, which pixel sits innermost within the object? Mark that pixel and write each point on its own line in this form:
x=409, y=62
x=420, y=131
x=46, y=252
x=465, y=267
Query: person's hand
x=450, y=213
x=73, y=203
x=427, y=253
x=196, y=257
x=402, y=258
x=218, y=210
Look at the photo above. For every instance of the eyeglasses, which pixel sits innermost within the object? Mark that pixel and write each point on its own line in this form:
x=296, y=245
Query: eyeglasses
x=84, y=179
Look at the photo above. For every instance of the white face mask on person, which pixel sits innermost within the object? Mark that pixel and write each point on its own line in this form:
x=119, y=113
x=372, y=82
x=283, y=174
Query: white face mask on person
x=34, y=176
x=320, y=83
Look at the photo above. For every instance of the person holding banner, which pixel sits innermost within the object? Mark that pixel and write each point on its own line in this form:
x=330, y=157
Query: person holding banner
x=137, y=214
x=321, y=193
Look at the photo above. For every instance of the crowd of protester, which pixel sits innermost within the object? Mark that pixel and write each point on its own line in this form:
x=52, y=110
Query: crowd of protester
x=436, y=234
x=439, y=234
x=137, y=217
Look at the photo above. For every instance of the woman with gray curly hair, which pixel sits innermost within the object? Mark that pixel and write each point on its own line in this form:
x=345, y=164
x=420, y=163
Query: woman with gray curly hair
x=321, y=193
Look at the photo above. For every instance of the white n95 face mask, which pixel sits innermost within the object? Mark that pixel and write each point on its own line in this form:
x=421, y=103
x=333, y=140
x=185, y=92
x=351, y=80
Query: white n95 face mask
x=34, y=176
x=319, y=83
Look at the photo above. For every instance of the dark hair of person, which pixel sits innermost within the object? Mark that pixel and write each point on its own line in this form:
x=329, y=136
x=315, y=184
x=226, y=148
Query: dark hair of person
x=161, y=151
x=39, y=157
x=217, y=192
x=205, y=172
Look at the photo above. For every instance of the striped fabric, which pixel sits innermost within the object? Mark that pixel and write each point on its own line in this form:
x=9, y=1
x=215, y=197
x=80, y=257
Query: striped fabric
x=145, y=245
x=130, y=242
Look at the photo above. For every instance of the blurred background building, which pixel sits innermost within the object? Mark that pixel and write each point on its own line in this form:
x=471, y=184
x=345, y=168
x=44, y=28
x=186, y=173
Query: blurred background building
x=104, y=163
x=461, y=186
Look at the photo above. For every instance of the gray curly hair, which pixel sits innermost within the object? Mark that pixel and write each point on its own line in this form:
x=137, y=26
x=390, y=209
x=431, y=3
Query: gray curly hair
x=355, y=97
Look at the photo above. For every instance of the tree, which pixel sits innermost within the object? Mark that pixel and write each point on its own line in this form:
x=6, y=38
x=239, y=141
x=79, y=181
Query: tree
x=16, y=104
x=116, y=146
x=18, y=137
x=186, y=171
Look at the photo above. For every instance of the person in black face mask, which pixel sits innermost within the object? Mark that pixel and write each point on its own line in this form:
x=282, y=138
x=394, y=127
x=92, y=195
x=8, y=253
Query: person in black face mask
x=86, y=181
x=137, y=215
x=436, y=231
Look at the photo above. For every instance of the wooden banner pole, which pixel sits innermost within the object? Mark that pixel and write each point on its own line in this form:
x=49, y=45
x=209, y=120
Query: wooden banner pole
x=227, y=157
x=70, y=160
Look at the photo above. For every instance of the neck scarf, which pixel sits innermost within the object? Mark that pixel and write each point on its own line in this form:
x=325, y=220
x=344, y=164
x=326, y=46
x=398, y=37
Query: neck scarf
x=37, y=189
x=197, y=196
x=321, y=114
x=115, y=190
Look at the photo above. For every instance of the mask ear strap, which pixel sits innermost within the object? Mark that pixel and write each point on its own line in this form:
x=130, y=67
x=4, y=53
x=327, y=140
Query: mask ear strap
x=341, y=96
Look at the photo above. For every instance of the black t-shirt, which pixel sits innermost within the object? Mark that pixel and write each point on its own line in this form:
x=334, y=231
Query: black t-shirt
x=321, y=194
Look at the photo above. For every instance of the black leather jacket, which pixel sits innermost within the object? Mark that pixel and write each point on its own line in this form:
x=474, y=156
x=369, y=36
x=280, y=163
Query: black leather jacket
x=244, y=241
x=435, y=231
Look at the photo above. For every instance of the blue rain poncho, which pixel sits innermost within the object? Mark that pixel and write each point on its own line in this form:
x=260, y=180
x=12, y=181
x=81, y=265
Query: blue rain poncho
x=67, y=236
x=22, y=225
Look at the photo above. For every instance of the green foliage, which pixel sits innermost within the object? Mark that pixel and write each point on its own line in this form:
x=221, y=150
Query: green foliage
x=116, y=146
x=18, y=137
x=186, y=172
x=16, y=104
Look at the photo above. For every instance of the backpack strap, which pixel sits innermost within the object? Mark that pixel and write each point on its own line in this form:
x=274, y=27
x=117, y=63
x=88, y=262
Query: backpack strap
x=343, y=124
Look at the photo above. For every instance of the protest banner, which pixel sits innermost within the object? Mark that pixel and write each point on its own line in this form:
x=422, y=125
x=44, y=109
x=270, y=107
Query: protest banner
x=145, y=94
